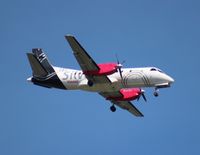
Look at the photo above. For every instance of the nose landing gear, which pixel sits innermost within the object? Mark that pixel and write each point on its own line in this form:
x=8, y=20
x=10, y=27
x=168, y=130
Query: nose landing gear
x=156, y=94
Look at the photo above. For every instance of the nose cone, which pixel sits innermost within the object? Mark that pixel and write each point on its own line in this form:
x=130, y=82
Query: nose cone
x=169, y=79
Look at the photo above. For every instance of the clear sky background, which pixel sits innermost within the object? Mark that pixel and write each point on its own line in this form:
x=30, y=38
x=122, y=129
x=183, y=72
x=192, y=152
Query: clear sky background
x=39, y=121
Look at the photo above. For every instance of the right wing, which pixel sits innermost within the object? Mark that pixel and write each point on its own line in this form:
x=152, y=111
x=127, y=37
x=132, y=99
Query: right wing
x=126, y=105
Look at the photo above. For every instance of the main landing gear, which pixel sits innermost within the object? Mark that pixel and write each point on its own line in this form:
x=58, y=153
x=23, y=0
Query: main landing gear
x=112, y=108
x=156, y=94
x=90, y=83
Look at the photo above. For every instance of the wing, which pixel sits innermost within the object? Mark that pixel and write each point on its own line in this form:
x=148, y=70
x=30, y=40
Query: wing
x=126, y=105
x=85, y=61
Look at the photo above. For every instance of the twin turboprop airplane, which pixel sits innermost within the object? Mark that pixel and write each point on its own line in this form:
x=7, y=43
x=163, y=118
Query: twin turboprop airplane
x=116, y=84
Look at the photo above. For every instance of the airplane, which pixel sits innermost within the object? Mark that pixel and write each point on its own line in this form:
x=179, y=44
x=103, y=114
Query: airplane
x=118, y=85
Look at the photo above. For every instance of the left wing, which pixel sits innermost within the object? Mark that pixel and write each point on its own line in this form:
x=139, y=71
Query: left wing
x=86, y=63
x=126, y=105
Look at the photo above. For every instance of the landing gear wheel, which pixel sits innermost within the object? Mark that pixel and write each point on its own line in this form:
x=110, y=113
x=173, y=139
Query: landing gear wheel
x=112, y=108
x=156, y=94
x=90, y=83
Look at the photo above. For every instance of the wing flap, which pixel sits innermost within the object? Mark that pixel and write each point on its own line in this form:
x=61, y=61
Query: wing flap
x=126, y=105
x=99, y=79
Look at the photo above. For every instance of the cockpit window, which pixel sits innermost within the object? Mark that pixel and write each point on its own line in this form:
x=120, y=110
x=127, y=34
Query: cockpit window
x=160, y=70
x=156, y=69
x=153, y=69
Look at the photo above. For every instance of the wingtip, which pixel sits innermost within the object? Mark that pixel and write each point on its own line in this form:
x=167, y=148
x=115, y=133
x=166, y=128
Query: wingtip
x=68, y=35
x=141, y=115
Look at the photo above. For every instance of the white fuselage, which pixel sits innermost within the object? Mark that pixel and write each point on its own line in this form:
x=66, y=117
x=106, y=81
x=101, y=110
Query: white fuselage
x=132, y=77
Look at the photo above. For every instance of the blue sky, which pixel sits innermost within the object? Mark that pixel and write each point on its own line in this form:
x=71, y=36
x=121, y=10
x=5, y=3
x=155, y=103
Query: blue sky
x=35, y=120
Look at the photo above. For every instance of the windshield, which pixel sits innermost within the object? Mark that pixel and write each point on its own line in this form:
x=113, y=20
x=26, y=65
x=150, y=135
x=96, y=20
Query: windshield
x=156, y=69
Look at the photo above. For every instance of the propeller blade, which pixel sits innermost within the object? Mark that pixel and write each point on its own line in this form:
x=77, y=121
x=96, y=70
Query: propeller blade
x=138, y=98
x=142, y=94
x=117, y=59
x=120, y=72
x=123, y=62
x=144, y=97
x=119, y=66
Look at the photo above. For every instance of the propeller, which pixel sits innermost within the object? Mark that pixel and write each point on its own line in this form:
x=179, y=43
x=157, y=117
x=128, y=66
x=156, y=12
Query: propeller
x=142, y=94
x=119, y=67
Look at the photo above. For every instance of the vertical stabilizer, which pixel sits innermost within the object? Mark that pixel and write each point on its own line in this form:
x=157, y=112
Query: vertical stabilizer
x=43, y=72
x=43, y=60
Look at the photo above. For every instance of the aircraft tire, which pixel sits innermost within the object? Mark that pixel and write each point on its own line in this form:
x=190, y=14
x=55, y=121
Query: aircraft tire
x=112, y=108
x=156, y=94
x=90, y=83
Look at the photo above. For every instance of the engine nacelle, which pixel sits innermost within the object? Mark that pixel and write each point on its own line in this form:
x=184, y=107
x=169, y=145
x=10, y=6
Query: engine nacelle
x=128, y=94
x=104, y=69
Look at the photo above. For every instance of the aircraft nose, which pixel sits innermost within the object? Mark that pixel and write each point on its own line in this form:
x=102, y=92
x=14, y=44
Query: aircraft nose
x=170, y=79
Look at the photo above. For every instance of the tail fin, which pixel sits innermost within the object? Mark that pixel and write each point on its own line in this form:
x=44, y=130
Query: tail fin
x=39, y=63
